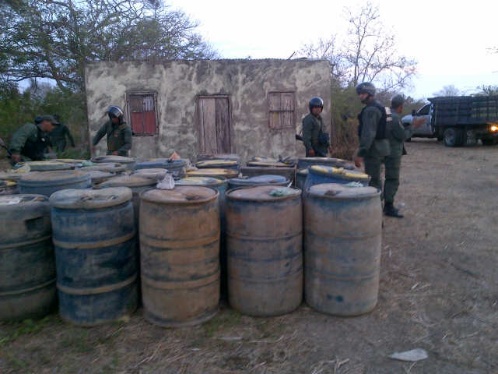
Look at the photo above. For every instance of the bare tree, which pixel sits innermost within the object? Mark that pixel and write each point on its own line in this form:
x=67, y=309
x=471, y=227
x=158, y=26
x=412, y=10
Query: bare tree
x=371, y=51
x=449, y=90
x=367, y=54
x=327, y=49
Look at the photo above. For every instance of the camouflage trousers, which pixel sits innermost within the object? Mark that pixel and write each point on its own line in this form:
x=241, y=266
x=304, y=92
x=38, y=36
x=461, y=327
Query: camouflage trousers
x=372, y=169
x=391, y=182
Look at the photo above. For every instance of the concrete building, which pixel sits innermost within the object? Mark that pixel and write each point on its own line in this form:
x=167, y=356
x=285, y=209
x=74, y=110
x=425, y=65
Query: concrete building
x=247, y=107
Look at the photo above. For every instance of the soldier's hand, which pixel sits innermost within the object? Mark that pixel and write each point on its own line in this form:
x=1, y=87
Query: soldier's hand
x=115, y=153
x=311, y=153
x=357, y=161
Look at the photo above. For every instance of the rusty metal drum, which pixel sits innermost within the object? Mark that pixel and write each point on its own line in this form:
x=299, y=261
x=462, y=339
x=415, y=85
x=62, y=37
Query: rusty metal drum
x=27, y=261
x=264, y=247
x=95, y=252
x=342, y=248
x=179, y=249
x=220, y=185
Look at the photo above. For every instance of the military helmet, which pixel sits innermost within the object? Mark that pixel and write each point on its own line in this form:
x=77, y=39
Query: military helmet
x=316, y=102
x=397, y=101
x=365, y=87
x=115, y=112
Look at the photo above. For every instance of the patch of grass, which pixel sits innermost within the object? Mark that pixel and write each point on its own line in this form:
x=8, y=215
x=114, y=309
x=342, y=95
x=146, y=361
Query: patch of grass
x=16, y=363
x=78, y=339
x=224, y=320
x=26, y=327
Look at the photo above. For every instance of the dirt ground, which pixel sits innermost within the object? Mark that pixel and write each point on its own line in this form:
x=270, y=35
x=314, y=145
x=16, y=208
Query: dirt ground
x=438, y=292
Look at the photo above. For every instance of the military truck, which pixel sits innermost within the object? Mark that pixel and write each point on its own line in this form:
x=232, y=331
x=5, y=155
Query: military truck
x=458, y=120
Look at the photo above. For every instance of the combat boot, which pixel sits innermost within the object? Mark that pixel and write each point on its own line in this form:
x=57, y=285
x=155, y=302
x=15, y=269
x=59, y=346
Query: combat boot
x=391, y=211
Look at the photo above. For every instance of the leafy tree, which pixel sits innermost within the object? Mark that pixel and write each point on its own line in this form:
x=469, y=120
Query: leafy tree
x=54, y=39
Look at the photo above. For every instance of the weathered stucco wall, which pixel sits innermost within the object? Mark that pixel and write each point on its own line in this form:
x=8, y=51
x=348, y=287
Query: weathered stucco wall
x=178, y=83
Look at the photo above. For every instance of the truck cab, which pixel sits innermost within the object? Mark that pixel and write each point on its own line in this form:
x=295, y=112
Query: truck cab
x=426, y=130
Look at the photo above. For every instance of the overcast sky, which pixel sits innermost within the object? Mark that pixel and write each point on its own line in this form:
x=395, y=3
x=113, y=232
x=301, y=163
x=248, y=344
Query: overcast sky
x=449, y=40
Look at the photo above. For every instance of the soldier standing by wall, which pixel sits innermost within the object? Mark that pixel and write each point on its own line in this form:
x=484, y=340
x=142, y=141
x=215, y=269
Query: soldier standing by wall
x=314, y=138
x=119, y=137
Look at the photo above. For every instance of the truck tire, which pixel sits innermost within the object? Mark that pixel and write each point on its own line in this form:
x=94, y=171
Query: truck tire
x=453, y=137
x=488, y=141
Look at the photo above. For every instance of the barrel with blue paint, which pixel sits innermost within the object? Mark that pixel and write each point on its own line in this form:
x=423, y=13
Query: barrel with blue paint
x=213, y=173
x=218, y=164
x=175, y=167
x=95, y=251
x=179, y=249
x=342, y=247
x=8, y=187
x=264, y=247
x=110, y=167
x=27, y=261
x=318, y=174
x=48, y=182
x=259, y=180
x=136, y=183
x=306, y=162
x=301, y=175
x=129, y=162
x=152, y=173
x=49, y=165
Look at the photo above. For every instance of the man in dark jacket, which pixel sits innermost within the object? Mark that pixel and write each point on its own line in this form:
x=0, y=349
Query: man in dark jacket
x=31, y=142
x=118, y=133
x=58, y=136
x=374, y=145
x=315, y=139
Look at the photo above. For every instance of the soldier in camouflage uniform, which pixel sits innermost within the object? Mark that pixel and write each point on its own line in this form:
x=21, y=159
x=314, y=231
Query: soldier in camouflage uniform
x=31, y=142
x=314, y=138
x=59, y=135
x=117, y=131
x=374, y=145
x=397, y=134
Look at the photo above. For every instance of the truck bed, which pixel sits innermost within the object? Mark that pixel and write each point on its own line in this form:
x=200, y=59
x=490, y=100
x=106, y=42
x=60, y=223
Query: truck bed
x=464, y=110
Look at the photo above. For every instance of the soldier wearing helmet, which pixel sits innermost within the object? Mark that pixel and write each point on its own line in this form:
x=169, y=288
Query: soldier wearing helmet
x=397, y=134
x=374, y=146
x=117, y=131
x=315, y=139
